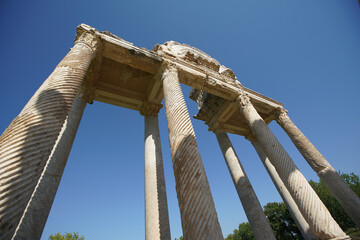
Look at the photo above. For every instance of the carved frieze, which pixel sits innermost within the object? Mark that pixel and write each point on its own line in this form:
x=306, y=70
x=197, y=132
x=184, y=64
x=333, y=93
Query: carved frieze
x=193, y=55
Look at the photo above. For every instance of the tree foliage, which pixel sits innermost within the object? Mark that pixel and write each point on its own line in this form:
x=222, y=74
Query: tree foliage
x=67, y=236
x=281, y=221
x=332, y=204
x=243, y=232
x=284, y=226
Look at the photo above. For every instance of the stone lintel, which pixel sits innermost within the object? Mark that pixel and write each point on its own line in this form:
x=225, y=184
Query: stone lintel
x=215, y=110
x=129, y=76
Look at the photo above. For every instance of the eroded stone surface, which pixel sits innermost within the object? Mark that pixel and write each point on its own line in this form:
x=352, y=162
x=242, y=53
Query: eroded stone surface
x=254, y=213
x=192, y=186
x=314, y=211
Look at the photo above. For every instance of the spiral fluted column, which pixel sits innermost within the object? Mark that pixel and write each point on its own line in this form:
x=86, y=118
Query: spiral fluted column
x=157, y=225
x=35, y=147
x=314, y=211
x=338, y=187
x=197, y=209
x=254, y=213
x=284, y=193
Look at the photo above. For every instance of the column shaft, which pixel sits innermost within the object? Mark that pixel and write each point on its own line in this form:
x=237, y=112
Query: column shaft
x=311, y=207
x=198, y=215
x=339, y=188
x=35, y=215
x=35, y=147
x=254, y=213
x=157, y=225
x=285, y=195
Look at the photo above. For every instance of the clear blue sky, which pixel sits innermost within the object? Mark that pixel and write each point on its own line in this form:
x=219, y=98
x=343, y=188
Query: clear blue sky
x=305, y=54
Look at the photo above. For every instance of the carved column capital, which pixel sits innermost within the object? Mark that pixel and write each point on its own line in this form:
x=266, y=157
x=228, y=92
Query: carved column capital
x=89, y=38
x=168, y=68
x=217, y=127
x=150, y=109
x=280, y=114
x=243, y=99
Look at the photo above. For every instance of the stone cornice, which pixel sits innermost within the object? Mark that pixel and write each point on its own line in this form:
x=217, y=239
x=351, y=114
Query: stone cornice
x=221, y=83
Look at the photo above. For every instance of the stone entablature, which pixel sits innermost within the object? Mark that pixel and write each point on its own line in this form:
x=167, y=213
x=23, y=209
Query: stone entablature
x=129, y=76
x=208, y=75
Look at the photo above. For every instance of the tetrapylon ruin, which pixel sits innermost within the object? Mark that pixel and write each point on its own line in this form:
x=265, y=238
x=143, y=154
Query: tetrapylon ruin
x=103, y=67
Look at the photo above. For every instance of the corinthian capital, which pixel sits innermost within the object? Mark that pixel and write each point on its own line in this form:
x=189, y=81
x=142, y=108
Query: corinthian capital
x=87, y=37
x=243, y=99
x=150, y=109
x=280, y=114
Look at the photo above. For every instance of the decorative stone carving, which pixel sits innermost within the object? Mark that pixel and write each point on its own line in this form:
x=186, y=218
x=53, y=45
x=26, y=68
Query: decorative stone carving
x=87, y=37
x=310, y=205
x=226, y=72
x=150, y=109
x=338, y=187
x=280, y=114
x=283, y=191
x=52, y=116
x=193, y=55
x=192, y=186
x=243, y=99
x=187, y=53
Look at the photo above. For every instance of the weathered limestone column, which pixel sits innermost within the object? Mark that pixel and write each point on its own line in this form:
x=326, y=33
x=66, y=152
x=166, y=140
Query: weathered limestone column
x=339, y=188
x=157, y=225
x=198, y=215
x=311, y=207
x=254, y=213
x=284, y=193
x=35, y=147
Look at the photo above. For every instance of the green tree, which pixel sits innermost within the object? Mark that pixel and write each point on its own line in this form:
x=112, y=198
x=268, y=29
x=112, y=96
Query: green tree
x=332, y=204
x=243, y=232
x=180, y=238
x=283, y=224
x=67, y=236
x=281, y=221
x=353, y=180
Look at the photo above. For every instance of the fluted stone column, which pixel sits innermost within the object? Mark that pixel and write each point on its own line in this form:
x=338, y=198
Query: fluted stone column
x=338, y=187
x=254, y=213
x=197, y=209
x=35, y=147
x=310, y=205
x=284, y=193
x=157, y=225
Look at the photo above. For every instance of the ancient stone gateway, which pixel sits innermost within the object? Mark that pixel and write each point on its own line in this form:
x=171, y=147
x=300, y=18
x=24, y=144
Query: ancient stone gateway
x=103, y=67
